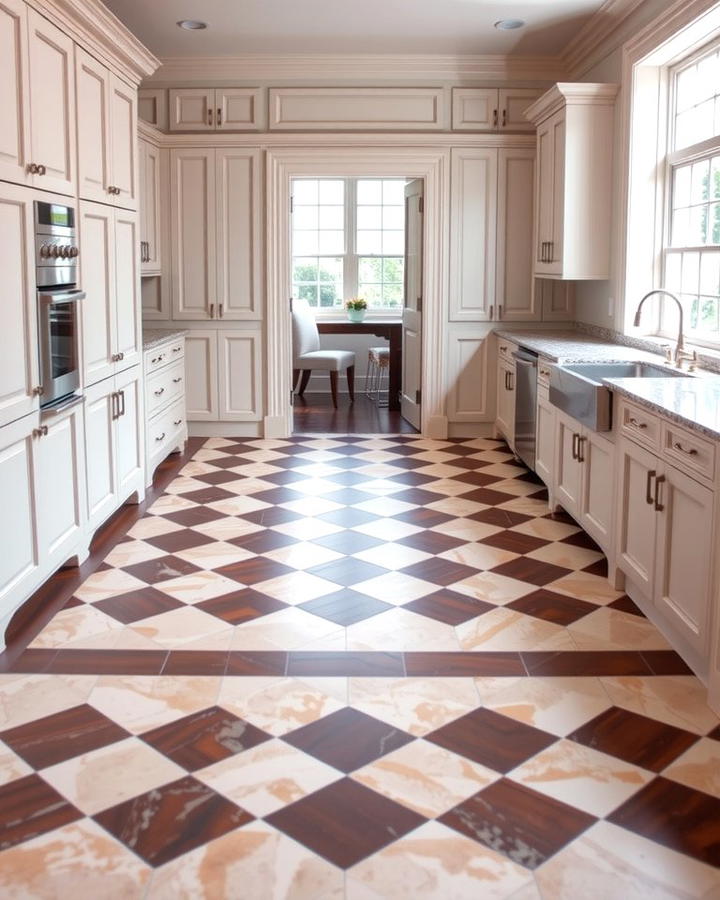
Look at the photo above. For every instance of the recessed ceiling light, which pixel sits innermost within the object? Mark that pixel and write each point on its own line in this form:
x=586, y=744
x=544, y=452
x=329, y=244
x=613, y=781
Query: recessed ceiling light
x=191, y=25
x=509, y=24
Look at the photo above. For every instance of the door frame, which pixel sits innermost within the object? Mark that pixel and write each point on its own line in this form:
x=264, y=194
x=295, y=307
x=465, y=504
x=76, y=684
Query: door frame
x=433, y=166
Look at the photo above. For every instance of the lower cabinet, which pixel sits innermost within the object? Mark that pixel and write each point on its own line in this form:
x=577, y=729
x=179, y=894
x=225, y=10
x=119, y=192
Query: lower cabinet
x=224, y=378
x=166, y=429
x=545, y=446
x=505, y=414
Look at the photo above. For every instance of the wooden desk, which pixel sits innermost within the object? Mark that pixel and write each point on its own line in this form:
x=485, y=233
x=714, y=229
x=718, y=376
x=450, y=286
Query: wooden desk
x=391, y=329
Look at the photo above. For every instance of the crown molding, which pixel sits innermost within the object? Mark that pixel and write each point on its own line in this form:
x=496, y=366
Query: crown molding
x=594, y=40
x=91, y=25
x=571, y=94
x=339, y=68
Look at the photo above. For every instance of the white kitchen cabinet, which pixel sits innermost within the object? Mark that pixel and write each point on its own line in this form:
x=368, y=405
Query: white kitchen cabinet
x=637, y=521
x=573, y=193
x=514, y=296
x=505, y=415
x=123, y=134
x=15, y=107
x=214, y=109
x=492, y=109
x=18, y=356
x=150, y=159
x=166, y=429
x=545, y=447
x=224, y=375
x=109, y=273
x=471, y=381
x=568, y=467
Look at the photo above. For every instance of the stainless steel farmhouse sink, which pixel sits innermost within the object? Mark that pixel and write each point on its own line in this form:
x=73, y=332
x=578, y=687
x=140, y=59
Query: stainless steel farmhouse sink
x=578, y=390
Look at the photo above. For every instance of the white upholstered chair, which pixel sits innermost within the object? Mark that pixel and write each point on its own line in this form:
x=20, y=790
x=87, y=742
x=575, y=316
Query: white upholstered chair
x=307, y=354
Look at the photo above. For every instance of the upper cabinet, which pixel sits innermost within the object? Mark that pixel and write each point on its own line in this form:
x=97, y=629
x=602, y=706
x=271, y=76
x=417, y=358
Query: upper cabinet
x=107, y=128
x=492, y=109
x=15, y=107
x=214, y=109
x=573, y=192
x=152, y=169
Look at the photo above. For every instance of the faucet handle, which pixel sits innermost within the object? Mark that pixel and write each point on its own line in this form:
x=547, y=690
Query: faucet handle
x=692, y=357
x=667, y=350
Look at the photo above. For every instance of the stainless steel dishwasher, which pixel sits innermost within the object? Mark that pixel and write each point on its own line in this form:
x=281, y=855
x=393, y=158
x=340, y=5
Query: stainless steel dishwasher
x=525, y=405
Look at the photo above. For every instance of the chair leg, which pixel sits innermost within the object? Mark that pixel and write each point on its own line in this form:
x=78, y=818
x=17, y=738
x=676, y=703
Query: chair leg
x=304, y=380
x=296, y=375
x=351, y=382
x=333, y=387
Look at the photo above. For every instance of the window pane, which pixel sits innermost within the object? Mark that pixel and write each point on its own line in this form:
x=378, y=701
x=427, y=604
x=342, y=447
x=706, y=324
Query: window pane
x=305, y=191
x=305, y=243
x=305, y=269
x=708, y=314
x=394, y=192
x=714, y=223
x=370, y=269
x=699, y=190
x=307, y=292
x=393, y=217
x=332, y=192
x=393, y=269
x=393, y=242
x=369, y=242
x=372, y=293
x=369, y=191
x=369, y=217
x=305, y=217
x=331, y=242
x=681, y=186
x=328, y=295
x=331, y=269
x=697, y=233
x=690, y=273
x=686, y=89
x=393, y=294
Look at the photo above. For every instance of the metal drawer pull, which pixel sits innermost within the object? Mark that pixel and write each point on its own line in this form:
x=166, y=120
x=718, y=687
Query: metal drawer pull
x=636, y=423
x=575, y=443
x=177, y=422
x=176, y=349
x=41, y=170
x=122, y=401
x=177, y=380
x=162, y=436
x=158, y=359
x=159, y=392
x=581, y=441
x=504, y=118
x=495, y=118
x=40, y=432
x=691, y=452
x=219, y=117
x=658, y=505
x=648, y=487
x=212, y=310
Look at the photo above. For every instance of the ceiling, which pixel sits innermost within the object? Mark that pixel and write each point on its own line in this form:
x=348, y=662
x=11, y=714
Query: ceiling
x=236, y=27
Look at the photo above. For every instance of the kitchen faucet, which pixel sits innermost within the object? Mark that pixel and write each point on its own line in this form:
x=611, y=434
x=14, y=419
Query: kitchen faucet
x=680, y=353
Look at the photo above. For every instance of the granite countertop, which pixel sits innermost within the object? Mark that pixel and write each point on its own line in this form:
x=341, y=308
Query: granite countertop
x=574, y=346
x=155, y=337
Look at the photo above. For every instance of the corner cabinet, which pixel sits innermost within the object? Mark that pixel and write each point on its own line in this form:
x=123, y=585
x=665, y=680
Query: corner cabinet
x=573, y=185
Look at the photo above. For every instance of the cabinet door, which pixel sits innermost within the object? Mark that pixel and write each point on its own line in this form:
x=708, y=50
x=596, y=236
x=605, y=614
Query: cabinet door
x=192, y=109
x=15, y=106
x=150, y=175
x=683, y=587
x=129, y=455
x=568, y=469
x=636, y=517
x=505, y=417
x=52, y=104
x=18, y=343
x=549, y=195
x=512, y=104
x=239, y=258
x=93, y=128
x=201, y=376
x=127, y=286
x=596, y=510
x=123, y=131
x=192, y=201
x=19, y=557
x=60, y=475
x=100, y=410
x=97, y=262
x=236, y=109
x=473, y=201
x=239, y=376
x=545, y=449
x=475, y=109
x=514, y=296
x=555, y=299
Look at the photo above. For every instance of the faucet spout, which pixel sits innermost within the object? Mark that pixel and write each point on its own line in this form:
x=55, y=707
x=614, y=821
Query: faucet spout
x=680, y=339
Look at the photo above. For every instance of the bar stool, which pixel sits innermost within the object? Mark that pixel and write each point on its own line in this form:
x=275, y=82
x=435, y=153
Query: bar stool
x=378, y=366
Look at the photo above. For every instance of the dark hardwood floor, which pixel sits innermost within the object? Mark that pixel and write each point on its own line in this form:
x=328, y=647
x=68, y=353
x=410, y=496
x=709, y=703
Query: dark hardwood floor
x=315, y=413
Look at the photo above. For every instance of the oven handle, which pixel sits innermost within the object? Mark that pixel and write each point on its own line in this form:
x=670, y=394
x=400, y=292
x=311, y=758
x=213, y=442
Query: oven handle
x=75, y=400
x=58, y=298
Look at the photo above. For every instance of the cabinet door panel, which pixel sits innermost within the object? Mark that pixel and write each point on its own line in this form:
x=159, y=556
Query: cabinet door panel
x=201, y=385
x=100, y=464
x=19, y=556
x=52, y=104
x=123, y=130
x=237, y=109
x=469, y=378
x=558, y=216
x=239, y=376
x=596, y=514
x=128, y=434
x=192, y=109
x=97, y=260
x=545, y=451
x=515, y=299
x=474, y=109
x=127, y=284
x=93, y=128
x=150, y=199
x=512, y=104
x=637, y=519
x=568, y=470
x=505, y=419
x=15, y=107
x=18, y=344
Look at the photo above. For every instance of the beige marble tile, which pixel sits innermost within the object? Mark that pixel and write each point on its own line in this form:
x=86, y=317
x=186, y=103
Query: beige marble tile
x=287, y=629
x=516, y=488
x=183, y=485
x=268, y=777
x=385, y=506
x=555, y=704
x=169, y=503
x=506, y=629
x=197, y=467
x=698, y=767
x=608, y=862
x=527, y=506
x=152, y=526
x=100, y=779
x=311, y=506
x=416, y=705
x=395, y=587
x=307, y=529
x=279, y=705
x=481, y=556
x=175, y=629
x=107, y=583
x=582, y=777
x=493, y=588
x=74, y=624
x=387, y=529
x=566, y=555
x=380, y=487
x=255, y=862
x=297, y=587
x=11, y=766
x=336, y=640
x=80, y=860
x=611, y=629
x=425, y=778
x=127, y=639
x=456, y=506
x=142, y=702
x=436, y=863
x=503, y=470
x=242, y=486
x=400, y=629
x=466, y=529
x=215, y=555
x=449, y=487
x=679, y=700
x=438, y=470
x=548, y=529
x=198, y=586
x=27, y=697
x=227, y=528
x=238, y=506
x=584, y=586
x=255, y=470
x=392, y=556
x=129, y=553
x=303, y=555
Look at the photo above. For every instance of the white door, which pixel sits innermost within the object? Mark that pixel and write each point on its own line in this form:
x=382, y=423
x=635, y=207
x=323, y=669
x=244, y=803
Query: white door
x=192, y=109
x=127, y=284
x=100, y=412
x=239, y=375
x=410, y=392
x=568, y=469
x=93, y=128
x=236, y=109
x=18, y=336
x=97, y=265
x=128, y=433
x=123, y=132
x=15, y=106
x=52, y=105
x=636, y=516
x=514, y=296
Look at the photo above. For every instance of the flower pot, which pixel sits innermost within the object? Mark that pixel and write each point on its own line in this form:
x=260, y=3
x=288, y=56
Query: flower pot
x=356, y=315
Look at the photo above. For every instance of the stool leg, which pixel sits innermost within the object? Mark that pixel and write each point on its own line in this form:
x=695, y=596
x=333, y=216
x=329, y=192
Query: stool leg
x=351, y=382
x=333, y=387
x=369, y=373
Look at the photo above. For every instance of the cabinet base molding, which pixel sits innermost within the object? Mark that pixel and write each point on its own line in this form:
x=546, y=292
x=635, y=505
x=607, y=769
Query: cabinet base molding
x=237, y=429
x=471, y=430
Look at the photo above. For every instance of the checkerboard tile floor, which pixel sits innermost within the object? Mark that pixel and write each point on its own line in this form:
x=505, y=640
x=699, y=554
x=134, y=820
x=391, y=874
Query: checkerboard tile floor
x=355, y=667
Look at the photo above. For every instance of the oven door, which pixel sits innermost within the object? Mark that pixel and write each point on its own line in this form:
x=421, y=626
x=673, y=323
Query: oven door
x=58, y=329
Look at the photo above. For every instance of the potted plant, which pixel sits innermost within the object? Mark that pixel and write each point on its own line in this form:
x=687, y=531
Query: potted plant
x=356, y=309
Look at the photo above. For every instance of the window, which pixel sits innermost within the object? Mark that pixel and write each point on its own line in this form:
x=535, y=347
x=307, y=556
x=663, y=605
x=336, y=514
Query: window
x=348, y=240
x=691, y=248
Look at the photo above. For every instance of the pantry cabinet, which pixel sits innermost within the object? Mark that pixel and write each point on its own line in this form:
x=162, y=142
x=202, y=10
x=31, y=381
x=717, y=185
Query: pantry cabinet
x=224, y=375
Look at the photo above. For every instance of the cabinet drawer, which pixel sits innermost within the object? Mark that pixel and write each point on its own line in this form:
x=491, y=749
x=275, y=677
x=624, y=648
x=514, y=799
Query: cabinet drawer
x=692, y=453
x=160, y=356
x=543, y=376
x=164, y=386
x=640, y=425
x=506, y=349
x=163, y=429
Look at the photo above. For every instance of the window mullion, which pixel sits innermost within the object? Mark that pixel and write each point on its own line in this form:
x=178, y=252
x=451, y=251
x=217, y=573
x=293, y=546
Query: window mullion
x=351, y=259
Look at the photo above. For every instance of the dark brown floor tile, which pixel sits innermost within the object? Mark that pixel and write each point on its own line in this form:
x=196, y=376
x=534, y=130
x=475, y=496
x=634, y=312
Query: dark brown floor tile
x=449, y=607
x=666, y=662
x=476, y=477
x=347, y=478
x=348, y=496
x=277, y=495
x=348, y=739
x=534, y=571
x=599, y=568
x=625, y=604
x=171, y=820
x=263, y=541
x=488, y=496
x=422, y=517
x=493, y=740
x=31, y=661
x=347, y=542
x=347, y=571
x=585, y=662
x=271, y=515
x=715, y=734
x=195, y=662
x=219, y=477
x=179, y=540
x=345, y=607
x=345, y=822
x=503, y=518
x=439, y=571
x=414, y=479
x=418, y=496
x=209, y=494
x=153, y=571
x=347, y=517
x=29, y=807
x=73, y=603
x=254, y=570
x=468, y=463
x=281, y=478
x=241, y=606
x=514, y=541
x=525, y=826
x=431, y=541
x=136, y=605
x=375, y=663
x=559, y=515
x=406, y=464
x=196, y=515
x=53, y=739
x=675, y=816
x=203, y=738
x=449, y=663
x=108, y=662
x=636, y=739
x=256, y=662
x=552, y=607
x=580, y=539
